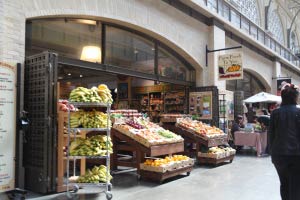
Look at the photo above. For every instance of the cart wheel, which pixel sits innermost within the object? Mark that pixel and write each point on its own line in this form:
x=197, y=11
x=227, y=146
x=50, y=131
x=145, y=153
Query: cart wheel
x=138, y=177
x=230, y=161
x=69, y=195
x=109, y=187
x=188, y=173
x=75, y=188
x=109, y=196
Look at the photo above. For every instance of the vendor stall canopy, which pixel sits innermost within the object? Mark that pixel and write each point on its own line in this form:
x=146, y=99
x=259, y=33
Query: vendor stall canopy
x=263, y=97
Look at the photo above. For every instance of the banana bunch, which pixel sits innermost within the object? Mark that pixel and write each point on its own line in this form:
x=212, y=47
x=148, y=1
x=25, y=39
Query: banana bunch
x=75, y=119
x=92, y=119
x=82, y=94
x=96, y=175
x=93, y=146
x=105, y=94
x=97, y=95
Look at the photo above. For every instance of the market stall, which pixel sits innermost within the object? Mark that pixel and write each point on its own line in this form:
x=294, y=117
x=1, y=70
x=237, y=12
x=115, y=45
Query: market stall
x=209, y=142
x=146, y=140
x=252, y=139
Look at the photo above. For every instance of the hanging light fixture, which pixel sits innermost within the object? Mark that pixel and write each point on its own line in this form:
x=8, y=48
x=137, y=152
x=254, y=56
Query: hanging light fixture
x=91, y=54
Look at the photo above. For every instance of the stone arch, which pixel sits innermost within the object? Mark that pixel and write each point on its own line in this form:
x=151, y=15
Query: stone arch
x=139, y=15
x=260, y=78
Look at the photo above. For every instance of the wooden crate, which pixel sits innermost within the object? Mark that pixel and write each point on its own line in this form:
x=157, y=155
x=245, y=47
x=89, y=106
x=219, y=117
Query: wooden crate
x=215, y=161
x=160, y=177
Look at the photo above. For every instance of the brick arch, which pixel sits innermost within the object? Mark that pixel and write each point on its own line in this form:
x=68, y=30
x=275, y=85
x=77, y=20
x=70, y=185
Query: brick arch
x=140, y=15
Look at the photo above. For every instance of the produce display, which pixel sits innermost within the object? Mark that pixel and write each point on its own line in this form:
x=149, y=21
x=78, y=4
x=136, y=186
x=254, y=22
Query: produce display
x=218, y=152
x=96, y=175
x=172, y=117
x=127, y=113
x=89, y=119
x=100, y=94
x=93, y=146
x=147, y=133
x=169, y=163
x=200, y=128
x=63, y=105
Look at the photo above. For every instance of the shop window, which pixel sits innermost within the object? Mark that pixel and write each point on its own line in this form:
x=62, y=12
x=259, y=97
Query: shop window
x=225, y=11
x=260, y=36
x=245, y=24
x=275, y=26
x=253, y=31
x=213, y=5
x=79, y=39
x=169, y=66
x=129, y=50
x=235, y=18
x=249, y=84
x=249, y=8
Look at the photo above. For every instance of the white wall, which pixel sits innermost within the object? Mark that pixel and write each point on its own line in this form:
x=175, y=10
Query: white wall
x=182, y=33
x=287, y=73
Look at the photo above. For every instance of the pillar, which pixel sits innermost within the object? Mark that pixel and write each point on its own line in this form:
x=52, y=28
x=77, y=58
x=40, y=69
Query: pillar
x=276, y=74
x=216, y=41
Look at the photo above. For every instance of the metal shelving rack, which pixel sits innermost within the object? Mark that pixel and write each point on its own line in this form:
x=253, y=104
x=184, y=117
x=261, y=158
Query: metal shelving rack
x=76, y=186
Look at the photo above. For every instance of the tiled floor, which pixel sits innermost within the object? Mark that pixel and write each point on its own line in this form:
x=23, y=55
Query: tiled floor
x=247, y=178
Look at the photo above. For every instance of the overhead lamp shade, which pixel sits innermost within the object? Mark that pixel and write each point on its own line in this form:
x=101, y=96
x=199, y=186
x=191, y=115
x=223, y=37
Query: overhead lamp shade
x=91, y=54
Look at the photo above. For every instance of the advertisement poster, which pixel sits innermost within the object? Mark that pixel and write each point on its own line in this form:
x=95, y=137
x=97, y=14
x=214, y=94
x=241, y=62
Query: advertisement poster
x=228, y=105
x=230, y=66
x=7, y=126
x=279, y=82
x=201, y=104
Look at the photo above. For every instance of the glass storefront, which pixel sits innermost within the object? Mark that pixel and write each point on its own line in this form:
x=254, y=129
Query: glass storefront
x=93, y=41
x=249, y=84
x=126, y=49
x=69, y=38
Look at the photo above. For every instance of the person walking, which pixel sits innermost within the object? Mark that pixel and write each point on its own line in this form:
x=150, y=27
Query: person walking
x=284, y=141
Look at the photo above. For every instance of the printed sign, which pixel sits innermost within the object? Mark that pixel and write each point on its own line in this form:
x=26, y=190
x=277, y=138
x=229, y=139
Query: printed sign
x=201, y=104
x=7, y=126
x=280, y=81
x=226, y=107
x=230, y=66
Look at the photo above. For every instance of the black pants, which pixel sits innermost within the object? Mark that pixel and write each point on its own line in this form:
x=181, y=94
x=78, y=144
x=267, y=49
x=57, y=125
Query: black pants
x=288, y=169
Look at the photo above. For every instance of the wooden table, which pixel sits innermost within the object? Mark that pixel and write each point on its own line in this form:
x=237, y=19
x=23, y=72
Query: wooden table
x=252, y=139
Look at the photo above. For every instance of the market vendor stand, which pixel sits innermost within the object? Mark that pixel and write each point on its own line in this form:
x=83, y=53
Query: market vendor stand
x=191, y=138
x=123, y=142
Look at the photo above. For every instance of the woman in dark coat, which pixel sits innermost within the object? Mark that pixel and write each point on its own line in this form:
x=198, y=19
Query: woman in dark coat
x=284, y=140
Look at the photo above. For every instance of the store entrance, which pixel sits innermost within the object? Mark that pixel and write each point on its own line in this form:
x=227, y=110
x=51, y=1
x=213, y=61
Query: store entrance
x=150, y=97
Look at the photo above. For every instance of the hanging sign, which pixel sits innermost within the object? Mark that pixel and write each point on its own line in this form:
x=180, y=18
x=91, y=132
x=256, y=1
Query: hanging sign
x=280, y=82
x=7, y=126
x=230, y=66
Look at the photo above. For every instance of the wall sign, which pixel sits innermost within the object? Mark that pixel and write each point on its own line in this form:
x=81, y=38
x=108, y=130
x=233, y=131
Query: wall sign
x=228, y=104
x=201, y=104
x=280, y=81
x=230, y=66
x=7, y=126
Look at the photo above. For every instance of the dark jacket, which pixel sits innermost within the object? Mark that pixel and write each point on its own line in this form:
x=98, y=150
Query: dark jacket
x=284, y=131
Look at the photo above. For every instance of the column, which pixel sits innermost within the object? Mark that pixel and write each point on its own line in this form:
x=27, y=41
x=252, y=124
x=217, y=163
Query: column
x=276, y=74
x=216, y=41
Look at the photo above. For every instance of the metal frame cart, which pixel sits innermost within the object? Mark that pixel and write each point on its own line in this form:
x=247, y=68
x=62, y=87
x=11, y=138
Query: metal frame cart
x=76, y=186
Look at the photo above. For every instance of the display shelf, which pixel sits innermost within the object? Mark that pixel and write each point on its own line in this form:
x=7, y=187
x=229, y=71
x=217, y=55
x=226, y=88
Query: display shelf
x=87, y=157
x=160, y=177
x=209, y=142
x=85, y=130
x=90, y=104
x=215, y=161
x=91, y=184
x=90, y=129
